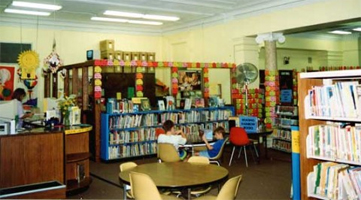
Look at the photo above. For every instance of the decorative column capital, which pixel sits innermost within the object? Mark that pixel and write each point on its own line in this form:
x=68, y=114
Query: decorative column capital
x=270, y=37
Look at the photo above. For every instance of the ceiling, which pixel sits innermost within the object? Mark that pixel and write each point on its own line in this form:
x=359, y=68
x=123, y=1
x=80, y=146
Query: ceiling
x=76, y=14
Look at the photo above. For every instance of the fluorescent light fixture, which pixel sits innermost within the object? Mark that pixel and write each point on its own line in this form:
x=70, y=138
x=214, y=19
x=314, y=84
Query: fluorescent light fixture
x=357, y=29
x=36, y=5
x=123, y=14
x=138, y=15
x=26, y=12
x=145, y=22
x=109, y=19
x=125, y=21
x=340, y=32
x=161, y=17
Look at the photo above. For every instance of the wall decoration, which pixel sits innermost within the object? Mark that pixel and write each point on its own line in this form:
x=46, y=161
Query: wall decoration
x=189, y=83
x=28, y=62
x=52, y=62
x=6, y=82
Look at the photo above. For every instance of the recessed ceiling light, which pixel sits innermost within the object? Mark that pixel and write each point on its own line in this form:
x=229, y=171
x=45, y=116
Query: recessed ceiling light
x=125, y=21
x=341, y=32
x=36, y=5
x=357, y=29
x=139, y=15
x=26, y=12
x=109, y=19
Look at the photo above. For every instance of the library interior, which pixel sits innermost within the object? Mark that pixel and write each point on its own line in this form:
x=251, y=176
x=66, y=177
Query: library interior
x=179, y=99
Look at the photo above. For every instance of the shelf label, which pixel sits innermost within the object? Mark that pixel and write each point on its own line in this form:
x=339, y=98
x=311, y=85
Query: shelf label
x=295, y=139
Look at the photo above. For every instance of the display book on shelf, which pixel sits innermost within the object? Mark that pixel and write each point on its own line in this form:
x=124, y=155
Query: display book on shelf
x=287, y=116
x=133, y=134
x=330, y=134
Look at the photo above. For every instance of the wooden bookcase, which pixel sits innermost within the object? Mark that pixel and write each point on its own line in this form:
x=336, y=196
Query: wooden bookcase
x=307, y=81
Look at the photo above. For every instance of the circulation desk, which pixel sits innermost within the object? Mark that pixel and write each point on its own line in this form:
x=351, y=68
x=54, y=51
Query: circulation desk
x=41, y=155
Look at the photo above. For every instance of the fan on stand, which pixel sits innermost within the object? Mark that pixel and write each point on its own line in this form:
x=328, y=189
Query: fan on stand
x=247, y=73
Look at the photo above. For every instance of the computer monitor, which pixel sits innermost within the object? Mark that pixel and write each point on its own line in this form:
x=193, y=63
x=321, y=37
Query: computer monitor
x=8, y=109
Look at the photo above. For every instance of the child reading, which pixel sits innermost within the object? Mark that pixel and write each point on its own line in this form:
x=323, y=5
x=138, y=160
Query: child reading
x=174, y=137
x=213, y=150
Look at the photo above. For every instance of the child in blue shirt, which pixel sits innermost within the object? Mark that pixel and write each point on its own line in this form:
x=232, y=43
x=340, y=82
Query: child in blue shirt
x=213, y=150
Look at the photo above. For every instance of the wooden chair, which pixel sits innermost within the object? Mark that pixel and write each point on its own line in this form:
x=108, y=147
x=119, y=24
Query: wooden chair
x=239, y=138
x=123, y=167
x=228, y=191
x=216, y=159
x=144, y=188
x=167, y=153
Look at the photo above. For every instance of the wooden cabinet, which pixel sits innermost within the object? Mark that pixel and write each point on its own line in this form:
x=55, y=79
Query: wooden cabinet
x=314, y=150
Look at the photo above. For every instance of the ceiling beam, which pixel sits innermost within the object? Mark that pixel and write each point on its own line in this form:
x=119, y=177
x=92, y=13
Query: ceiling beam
x=197, y=3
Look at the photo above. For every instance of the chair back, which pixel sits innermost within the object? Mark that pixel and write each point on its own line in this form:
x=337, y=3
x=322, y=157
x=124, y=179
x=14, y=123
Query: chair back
x=238, y=136
x=168, y=153
x=219, y=155
x=198, y=160
x=159, y=131
x=143, y=187
x=127, y=165
x=229, y=189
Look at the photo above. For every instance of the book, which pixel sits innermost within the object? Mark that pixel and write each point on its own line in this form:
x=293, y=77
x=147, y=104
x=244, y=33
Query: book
x=187, y=104
x=145, y=105
x=161, y=105
x=170, y=103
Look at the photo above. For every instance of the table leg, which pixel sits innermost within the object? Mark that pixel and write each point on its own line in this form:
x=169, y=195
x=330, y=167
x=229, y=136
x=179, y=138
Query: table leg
x=124, y=191
x=265, y=146
x=189, y=194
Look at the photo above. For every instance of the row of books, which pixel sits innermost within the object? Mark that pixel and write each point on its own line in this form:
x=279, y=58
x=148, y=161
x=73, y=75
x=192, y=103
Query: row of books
x=342, y=99
x=333, y=141
x=286, y=122
x=119, y=106
x=120, y=137
x=336, y=181
x=283, y=134
x=124, y=151
x=281, y=145
x=154, y=119
x=193, y=129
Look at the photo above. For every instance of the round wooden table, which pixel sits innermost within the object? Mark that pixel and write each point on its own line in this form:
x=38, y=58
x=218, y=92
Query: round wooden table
x=179, y=175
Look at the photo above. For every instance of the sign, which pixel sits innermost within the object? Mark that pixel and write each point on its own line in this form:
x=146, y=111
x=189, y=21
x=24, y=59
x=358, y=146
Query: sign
x=250, y=124
x=286, y=96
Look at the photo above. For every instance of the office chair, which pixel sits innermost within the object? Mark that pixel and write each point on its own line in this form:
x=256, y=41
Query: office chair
x=167, y=153
x=216, y=159
x=143, y=188
x=228, y=191
x=127, y=166
x=239, y=138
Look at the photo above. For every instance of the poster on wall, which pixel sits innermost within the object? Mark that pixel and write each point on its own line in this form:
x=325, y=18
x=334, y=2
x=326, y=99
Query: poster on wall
x=189, y=83
x=7, y=75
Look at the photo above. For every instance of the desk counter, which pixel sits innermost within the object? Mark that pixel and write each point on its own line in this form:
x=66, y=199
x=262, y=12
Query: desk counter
x=40, y=155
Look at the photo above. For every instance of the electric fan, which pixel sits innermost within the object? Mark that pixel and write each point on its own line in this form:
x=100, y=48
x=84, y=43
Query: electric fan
x=247, y=73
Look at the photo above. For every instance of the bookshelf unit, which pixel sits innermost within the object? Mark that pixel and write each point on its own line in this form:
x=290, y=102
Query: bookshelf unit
x=127, y=135
x=309, y=158
x=281, y=137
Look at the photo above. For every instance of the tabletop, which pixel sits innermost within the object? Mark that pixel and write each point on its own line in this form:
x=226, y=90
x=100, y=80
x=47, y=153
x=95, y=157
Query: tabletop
x=179, y=174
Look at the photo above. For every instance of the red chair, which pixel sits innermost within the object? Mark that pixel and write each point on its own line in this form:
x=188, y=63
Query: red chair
x=239, y=138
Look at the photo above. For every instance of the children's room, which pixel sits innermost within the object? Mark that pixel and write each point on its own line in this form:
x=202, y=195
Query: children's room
x=170, y=99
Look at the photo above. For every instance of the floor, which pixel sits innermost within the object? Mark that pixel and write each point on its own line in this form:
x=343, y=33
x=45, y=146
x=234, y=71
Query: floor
x=270, y=179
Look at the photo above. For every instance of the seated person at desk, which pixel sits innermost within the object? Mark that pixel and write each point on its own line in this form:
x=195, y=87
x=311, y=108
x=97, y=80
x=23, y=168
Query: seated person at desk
x=174, y=137
x=213, y=150
x=19, y=94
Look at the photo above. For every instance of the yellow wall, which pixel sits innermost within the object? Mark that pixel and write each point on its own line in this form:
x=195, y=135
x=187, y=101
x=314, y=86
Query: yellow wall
x=206, y=43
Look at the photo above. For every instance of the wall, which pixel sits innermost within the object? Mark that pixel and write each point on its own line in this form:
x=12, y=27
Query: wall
x=72, y=46
x=206, y=43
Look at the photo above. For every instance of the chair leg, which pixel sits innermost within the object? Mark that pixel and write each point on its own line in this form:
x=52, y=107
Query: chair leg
x=255, y=149
x=245, y=155
x=230, y=160
x=240, y=151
